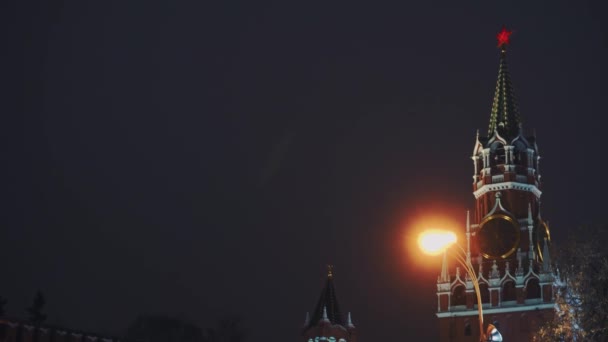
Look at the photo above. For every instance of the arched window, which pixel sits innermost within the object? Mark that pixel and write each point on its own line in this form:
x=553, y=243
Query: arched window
x=497, y=155
x=532, y=289
x=508, y=291
x=485, y=293
x=459, y=296
x=467, y=328
x=519, y=153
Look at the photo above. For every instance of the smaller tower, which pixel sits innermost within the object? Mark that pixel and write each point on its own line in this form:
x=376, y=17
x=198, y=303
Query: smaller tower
x=326, y=322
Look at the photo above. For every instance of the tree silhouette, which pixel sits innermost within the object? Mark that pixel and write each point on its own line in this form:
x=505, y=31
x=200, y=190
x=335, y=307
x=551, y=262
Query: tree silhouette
x=35, y=311
x=162, y=328
x=228, y=329
x=582, y=290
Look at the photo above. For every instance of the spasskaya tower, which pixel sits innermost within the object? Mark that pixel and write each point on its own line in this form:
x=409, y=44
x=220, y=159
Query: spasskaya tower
x=507, y=238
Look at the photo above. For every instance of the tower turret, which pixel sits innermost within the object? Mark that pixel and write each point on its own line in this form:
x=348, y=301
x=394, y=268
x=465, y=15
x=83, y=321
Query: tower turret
x=327, y=321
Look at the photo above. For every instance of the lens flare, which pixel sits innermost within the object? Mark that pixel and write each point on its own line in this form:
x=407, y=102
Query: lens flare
x=435, y=241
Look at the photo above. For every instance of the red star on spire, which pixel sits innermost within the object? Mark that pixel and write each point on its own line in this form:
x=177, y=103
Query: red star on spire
x=503, y=37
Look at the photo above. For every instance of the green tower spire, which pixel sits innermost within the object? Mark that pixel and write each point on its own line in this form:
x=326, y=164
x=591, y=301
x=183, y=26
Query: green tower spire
x=504, y=118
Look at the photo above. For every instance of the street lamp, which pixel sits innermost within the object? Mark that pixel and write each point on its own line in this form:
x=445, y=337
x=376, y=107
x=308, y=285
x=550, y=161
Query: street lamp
x=435, y=242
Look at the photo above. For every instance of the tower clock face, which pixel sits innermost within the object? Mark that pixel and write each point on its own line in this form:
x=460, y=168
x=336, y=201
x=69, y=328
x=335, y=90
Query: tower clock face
x=498, y=236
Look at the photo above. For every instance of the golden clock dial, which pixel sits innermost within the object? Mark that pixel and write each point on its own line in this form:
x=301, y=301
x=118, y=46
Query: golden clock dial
x=498, y=236
x=542, y=232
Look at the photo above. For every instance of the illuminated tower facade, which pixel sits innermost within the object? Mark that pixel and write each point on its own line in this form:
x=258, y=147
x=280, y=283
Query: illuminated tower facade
x=507, y=240
x=326, y=322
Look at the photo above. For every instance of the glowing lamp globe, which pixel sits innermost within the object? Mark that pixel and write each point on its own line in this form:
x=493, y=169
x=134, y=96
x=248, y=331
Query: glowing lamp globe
x=435, y=241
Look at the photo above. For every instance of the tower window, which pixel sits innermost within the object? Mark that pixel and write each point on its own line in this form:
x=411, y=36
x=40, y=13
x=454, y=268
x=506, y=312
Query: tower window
x=498, y=154
x=532, y=289
x=485, y=293
x=459, y=296
x=467, y=329
x=508, y=291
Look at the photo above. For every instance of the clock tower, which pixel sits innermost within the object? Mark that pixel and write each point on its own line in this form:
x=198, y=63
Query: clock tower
x=507, y=239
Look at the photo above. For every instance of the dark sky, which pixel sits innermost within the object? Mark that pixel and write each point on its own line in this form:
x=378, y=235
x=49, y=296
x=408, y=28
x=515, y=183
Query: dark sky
x=200, y=158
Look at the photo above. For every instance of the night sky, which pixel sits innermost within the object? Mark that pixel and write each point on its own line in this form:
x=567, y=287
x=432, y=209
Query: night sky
x=201, y=158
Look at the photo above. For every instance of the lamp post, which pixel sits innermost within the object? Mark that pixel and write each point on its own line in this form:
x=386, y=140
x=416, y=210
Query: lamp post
x=435, y=242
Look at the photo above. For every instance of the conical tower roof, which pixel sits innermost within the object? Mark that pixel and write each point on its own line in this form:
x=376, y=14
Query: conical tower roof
x=504, y=118
x=327, y=302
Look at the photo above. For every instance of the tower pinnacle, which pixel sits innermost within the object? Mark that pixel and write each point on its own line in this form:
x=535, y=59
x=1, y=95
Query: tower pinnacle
x=325, y=314
x=325, y=322
x=350, y=321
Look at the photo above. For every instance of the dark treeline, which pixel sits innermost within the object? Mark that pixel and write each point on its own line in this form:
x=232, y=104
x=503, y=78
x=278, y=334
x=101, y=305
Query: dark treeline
x=35, y=313
x=152, y=328
x=162, y=328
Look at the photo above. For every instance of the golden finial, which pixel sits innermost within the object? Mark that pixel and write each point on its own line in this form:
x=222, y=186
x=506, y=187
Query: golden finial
x=330, y=271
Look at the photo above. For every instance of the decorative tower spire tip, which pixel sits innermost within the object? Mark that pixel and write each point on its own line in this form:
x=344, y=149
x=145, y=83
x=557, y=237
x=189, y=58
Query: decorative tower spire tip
x=503, y=38
x=330, y=271
x=325, y=318
x=350, y=321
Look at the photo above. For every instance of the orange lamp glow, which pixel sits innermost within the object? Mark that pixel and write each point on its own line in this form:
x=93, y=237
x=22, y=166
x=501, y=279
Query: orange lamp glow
x=435, y=241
